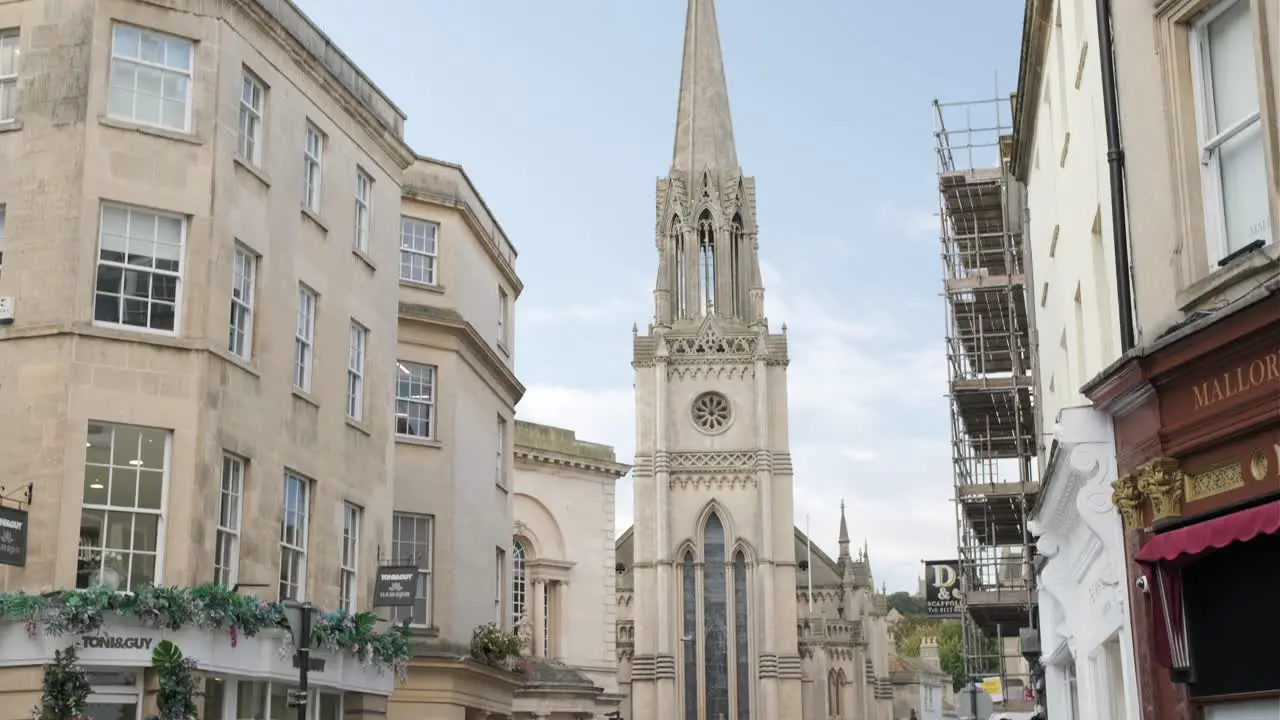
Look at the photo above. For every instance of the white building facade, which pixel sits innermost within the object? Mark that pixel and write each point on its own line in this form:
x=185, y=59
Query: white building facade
x=1060, y=153
x=1085, y=631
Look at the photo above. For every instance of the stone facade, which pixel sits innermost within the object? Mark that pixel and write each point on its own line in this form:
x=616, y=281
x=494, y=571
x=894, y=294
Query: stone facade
x=159, y=235
x=709, y=618
x=563, y=573
x=70, y=357
x=455, y=404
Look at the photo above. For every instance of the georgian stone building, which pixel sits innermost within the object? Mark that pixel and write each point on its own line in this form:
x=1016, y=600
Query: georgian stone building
x=196, y=379
x=563, y=572
x=712, y=623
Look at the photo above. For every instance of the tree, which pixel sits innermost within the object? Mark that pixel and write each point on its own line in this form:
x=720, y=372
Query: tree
x=907, y=604
x=951, y=652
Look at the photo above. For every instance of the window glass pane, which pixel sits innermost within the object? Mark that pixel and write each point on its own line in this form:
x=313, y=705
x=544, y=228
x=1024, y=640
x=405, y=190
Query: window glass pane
x=715, y=620
x=740, y=632
x=1247, y=710
x=1231, y=65
x=1244, y=188
x=689, y=638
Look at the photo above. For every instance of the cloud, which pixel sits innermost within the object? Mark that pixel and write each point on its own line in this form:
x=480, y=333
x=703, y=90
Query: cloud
x=608, y=311
x=867, y=420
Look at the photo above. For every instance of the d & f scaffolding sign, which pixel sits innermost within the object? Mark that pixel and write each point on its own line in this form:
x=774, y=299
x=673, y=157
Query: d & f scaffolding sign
x=942, y=588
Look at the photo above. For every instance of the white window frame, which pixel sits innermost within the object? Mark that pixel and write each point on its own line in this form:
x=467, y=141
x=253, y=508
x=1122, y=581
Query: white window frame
x=429, y=253
x=500, y=478
x=520, y=586
x=312, y=167
x=130, y=212
x=426, y=400
x=504, y=316
x=424, y=564
x=253, y=100
x=10, y=67
x=165, y=70
x=244, y=281
x=364, y=204
x=117, y=694
x=349, y=560
x=226, y=553
x=108, y=507
x=1209, y=137
x=357, y=347
x=499, y=586
x=304, y=337
x=297, y=545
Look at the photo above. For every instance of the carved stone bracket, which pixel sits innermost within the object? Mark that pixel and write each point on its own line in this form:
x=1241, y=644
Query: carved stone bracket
x=1162, y=482
x=1159, y=483
x=1124, y=493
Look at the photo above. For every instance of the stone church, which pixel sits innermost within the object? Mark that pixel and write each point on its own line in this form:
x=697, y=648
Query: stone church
x=720, y=614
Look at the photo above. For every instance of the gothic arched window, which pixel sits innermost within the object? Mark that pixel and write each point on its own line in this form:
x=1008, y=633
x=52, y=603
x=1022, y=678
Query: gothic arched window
x=715, y=629
x=741, y=632
x=833, y=693
x=707, y=261
x=518, y=589
x=689, y=635
x=678, y=268
x=735, y=266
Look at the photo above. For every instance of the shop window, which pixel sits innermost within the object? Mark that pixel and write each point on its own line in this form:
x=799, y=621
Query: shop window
x=114, y=694
x=270, y=701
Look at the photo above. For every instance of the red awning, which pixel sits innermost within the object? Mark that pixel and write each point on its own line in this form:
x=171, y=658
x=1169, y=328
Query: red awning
x=1188, y=542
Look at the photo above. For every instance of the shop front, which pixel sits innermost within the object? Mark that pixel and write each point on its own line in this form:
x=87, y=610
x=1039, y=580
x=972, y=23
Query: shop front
x=245, y=666
x=1197, y=430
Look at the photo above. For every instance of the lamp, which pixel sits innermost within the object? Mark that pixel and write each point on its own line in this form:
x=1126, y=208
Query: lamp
x=298, y=616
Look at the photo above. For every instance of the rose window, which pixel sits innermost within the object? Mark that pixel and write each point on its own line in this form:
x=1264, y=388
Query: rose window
x=711, y=412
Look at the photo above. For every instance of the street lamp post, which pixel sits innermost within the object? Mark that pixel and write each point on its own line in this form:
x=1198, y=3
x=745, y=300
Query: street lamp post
x=299, y=617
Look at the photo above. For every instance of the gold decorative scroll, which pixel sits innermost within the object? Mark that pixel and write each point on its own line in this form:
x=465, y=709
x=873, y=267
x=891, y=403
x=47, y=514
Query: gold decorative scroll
x=1214, y=482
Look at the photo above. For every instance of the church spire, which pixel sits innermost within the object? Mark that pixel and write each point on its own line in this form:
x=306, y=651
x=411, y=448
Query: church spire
x=708, y=259
x=704, y=129
x=844, y=534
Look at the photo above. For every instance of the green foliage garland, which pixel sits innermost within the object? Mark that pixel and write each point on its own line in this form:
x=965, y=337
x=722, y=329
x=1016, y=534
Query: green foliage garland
x=79, y=612
x=177, y=692
x=66, y=688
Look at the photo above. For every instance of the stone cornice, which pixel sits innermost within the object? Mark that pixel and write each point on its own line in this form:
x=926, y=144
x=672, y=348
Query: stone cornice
x=488, y=241
x=375, y=113
x=453, y=322
x=575, y=462
x=1035, y=40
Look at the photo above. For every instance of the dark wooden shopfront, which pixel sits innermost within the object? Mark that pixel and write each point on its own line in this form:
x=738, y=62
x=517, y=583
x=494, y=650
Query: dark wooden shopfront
x=1197, y=426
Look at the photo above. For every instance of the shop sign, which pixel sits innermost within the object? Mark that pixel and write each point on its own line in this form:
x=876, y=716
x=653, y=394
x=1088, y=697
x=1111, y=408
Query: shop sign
x=942, y=588
x=116, y=642
x=13, y=537
x=1246, y=377
x=395, y=586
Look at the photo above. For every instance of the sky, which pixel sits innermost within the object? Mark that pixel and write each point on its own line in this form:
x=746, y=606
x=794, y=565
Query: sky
x=563, y=112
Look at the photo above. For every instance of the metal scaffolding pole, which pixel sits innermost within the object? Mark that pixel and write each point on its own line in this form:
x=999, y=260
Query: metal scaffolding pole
x=990, y=363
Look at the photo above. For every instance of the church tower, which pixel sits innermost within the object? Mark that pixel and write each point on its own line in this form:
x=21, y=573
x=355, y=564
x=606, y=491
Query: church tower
x=713, y=543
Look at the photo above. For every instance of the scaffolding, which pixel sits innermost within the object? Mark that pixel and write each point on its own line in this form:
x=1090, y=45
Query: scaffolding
x=990, y=363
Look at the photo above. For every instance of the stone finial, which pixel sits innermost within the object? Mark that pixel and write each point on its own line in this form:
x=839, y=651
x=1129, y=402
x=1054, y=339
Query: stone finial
x=1162, y=482
x=1125, y=496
